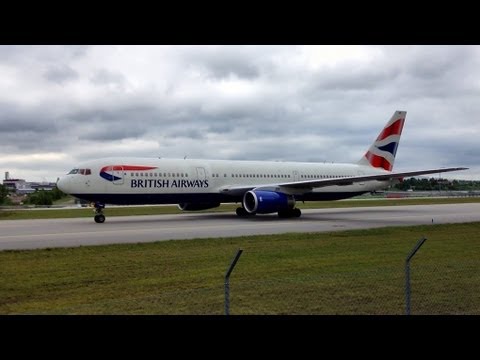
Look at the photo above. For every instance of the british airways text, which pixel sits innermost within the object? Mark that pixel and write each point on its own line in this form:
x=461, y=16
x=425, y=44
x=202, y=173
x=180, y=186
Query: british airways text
x=164, y=183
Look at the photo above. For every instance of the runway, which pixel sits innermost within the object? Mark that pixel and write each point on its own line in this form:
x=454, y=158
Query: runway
x=34, y=234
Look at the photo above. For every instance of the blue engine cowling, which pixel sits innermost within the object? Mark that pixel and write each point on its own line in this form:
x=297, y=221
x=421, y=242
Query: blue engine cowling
x=266, y=202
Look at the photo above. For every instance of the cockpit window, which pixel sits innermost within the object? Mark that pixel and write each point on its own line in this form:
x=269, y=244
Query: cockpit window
x=80, y=171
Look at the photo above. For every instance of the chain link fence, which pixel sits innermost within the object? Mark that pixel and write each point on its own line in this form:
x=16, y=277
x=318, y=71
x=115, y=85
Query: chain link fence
x=441, y=283
x=445, y=287
x=436, y=288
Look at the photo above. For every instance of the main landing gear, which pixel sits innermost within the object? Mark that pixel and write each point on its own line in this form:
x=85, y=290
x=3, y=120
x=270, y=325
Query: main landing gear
x=99, y=217
x=241, y=212
x=289, y=213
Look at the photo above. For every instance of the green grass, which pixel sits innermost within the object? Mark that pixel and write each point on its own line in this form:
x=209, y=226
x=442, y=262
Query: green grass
x=350, y=272
x=157, y=210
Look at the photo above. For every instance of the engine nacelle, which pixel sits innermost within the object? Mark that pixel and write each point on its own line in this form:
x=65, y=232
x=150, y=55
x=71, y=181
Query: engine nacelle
x=266, y=202
x=197, y=206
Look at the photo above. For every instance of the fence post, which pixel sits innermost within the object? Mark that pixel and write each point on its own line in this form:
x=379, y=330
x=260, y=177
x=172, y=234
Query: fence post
x=227, y=281
x=407, y=273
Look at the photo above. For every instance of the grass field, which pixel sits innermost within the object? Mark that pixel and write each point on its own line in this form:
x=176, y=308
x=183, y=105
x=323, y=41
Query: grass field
x=350, y=272
x=157, y=210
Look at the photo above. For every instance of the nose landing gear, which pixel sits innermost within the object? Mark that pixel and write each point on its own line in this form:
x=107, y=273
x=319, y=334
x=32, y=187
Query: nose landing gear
x=99, y=217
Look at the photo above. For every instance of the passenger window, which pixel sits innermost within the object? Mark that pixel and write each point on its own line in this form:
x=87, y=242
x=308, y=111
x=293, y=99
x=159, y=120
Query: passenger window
x=82, y=171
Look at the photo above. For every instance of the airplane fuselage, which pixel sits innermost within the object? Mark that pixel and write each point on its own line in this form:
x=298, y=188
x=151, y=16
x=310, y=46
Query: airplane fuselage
x=166, y=181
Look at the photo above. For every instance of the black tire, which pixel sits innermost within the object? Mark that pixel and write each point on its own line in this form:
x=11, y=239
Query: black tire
x=297, y=213
x=99, y=218
x=241, y=212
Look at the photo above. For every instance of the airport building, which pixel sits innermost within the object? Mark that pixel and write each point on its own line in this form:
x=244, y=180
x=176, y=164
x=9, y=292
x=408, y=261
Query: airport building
x=21, y=187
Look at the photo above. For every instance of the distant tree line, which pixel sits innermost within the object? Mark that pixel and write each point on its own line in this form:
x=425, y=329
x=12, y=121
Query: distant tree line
x=425, y=184
x=44, y=197
x=4, y=200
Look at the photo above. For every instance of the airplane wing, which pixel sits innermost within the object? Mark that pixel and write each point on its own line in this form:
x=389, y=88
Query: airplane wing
x=298, y=187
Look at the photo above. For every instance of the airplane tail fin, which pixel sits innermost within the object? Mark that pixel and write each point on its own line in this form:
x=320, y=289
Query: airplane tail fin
x=382, y=152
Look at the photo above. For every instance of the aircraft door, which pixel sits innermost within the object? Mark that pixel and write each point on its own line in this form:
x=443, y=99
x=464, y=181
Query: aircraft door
x=201, y=173
x=295, y=175
x=117, y=175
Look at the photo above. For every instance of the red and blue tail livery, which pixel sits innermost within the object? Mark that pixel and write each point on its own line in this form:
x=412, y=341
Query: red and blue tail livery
x=382, y=152
x=259, y=187
x=116, y=172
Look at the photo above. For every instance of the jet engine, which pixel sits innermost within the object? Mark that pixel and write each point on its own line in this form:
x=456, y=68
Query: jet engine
x=266, y=202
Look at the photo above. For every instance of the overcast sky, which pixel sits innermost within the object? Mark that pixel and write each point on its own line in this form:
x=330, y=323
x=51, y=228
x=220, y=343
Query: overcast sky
x=61, y=105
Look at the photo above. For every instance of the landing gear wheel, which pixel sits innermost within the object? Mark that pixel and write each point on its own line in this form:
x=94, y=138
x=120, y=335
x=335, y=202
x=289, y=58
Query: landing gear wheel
x=99, y=218
x=297, y=212
x=242, y=212
x=285, y=214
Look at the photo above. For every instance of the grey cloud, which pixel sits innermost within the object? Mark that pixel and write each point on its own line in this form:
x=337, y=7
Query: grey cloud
x=60, y=74
x=106, y=77
x=41, y=54
x=351, y=79
x=31, y=141
x=294, y=114
x=222, y=62
x=104, y=132
x=16, y=119
x=189, y=132
x=438, y=61
x=226, y=67
x=17, y=125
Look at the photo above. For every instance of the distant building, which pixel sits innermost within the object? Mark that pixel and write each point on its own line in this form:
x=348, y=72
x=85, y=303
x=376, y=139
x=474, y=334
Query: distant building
x=47, y=186
x=14, y=184
x=20, y=186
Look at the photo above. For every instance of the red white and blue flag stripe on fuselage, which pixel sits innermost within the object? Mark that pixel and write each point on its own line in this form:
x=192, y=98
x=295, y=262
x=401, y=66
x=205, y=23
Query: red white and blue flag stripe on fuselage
x=106, y=171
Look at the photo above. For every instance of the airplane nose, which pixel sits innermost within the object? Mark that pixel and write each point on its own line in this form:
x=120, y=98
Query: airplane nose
x=62, y=185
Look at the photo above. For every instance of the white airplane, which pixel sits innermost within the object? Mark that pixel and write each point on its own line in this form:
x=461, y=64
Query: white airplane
x=262, y=187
